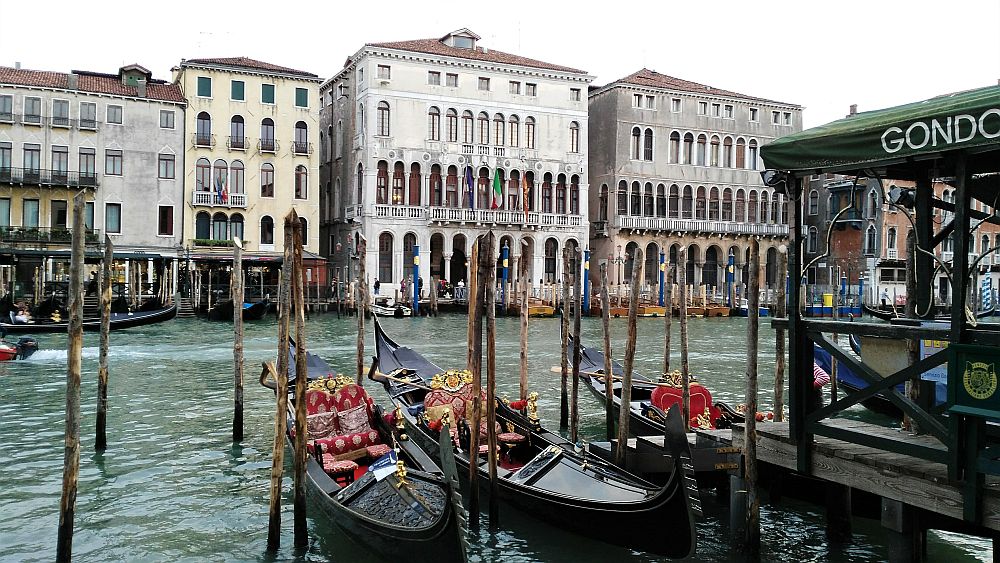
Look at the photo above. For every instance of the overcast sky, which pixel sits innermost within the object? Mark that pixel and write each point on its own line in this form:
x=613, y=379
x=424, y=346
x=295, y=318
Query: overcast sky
x=823, y=56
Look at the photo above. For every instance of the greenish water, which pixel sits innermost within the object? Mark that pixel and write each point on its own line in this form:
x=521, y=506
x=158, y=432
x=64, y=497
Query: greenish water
x=173, y=487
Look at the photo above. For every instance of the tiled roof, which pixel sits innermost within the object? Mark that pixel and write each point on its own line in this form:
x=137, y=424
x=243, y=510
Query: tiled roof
x=88, y=82
x=436, y=47
x=651, y=78
x=246, y=62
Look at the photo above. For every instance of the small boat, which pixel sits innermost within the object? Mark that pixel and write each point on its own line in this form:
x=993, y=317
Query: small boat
x=93, y=324
x=387, y=500
x=24, y=348
x=887, y=314
x=717, y=310
x=540, y=472
x=651, y=311
x=251, y=311
x=388, y=307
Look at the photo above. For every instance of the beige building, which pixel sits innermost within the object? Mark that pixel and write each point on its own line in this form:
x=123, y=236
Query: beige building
x=251, y=130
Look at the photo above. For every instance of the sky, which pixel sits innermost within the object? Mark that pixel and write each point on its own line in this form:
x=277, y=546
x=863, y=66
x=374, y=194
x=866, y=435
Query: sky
x=823, y=56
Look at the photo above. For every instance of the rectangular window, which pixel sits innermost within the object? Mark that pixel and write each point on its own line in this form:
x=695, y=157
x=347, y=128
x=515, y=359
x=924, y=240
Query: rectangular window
x=113, y=218
x=32, y=110
x=574, y=94
x=451, y=80
x=637, y=100
x=113, y=162
x=165, y=225
x=60, y=161
x=166, y=119
x=650, y=102
x=5, y=159
x=204, y=87
x=7, y=108
x=88, y=115
x=728, y=111
x=484, y=84
x=716, y=110
x=237, y=90
x=787, y=118
x=754, y=115
x=29, y=213
x=515, y=87
x=114, y=114
x=267, y=93
x=4, y=211
x=60, y=113
x=434, y=78
x=675, y=105
x=530, y=89
x=32, y=158
x=384, y=72
x=776, y=117
x=702, y=108
x=301, y=98
x=88, y=215
x=166, y=167
x=88, y=163
x=57, y=214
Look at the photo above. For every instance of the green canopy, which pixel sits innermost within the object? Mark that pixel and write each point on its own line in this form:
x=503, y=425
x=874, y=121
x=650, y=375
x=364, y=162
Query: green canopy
x=876, y=138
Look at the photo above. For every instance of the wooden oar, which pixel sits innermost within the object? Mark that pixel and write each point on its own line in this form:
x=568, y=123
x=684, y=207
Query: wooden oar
x=558, y=369
x=398, y=380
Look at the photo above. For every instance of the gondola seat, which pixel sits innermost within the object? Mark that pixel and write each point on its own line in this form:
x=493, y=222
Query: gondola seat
x=460, y=404
x=341, y=470
x=377, y=451
x=354, y=429
x=703, y=412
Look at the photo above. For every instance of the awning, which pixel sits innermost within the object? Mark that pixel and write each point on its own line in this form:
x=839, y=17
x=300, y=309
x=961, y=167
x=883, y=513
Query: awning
x=964, y=120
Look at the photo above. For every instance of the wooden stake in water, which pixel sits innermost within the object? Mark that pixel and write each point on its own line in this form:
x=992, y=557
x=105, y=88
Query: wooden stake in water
x=361, y=303
x=434, y=295
x=101, y=442
x=633, y=310
x=522, y=267
x=609, y=407
x=236, y=286
x=301, y=375
x=752, y=539
x=482, y=253
x=685, y=374
x=74, y=355
x=669, y=290
x=564, y=339
x=779, y=336
x=577, y=313
x=472, y=303
x=491, y=379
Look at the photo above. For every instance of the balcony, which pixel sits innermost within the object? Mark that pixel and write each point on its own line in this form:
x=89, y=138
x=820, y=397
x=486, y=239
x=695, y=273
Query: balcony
x=31, y=119
x=236, y=143
x=700, y=226
x=40, y=177
x=299, y=147
x=45, y=235
x=267, y=145
x=215, y=199
x=200, y=140
x=354, y=211
x=502, y=217
x=6, y=117
x=58, y=121
x=87, y=125
x=400, y=211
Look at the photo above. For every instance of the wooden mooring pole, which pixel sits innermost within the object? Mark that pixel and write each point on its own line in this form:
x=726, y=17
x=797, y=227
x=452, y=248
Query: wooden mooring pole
x=236, y=288
x=491, y=378
x=574, y=411
x=685, y=375
x=301, y=375
x=434, y=295
x=751, y=540
x=360, y=302
x=633, y=310
x=779, y=336
x=522, y=275
x=471, y=303
x=564, y=340
x=101, y=441
x=74, y=355
x=609, y=408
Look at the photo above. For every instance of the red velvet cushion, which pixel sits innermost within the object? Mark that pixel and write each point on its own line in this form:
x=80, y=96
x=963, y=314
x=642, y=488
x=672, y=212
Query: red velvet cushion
x=321, y=425
x=334, y=466
x=665, y=396
x=378, y=450
x=510, y=438
x=348, y=443
x=318, y=401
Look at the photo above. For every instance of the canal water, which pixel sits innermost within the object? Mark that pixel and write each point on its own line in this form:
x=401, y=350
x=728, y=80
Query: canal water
x=173, y=487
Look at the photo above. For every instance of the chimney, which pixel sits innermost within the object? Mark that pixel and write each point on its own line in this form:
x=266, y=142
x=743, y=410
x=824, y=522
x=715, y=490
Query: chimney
x=73, y=81
x=141, y=87
x=854, y=110
x=17, y=65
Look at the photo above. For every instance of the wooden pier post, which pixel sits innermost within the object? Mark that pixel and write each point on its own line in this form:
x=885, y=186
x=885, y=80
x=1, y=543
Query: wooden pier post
x=669, y=312
x=609, y=408
x=481, y=254
x=74, y=356
x=564, y=340
x=434, y=296
x=101, y=441
x=236, y=290
x=574, y=412
x=779, y=336
x=633, y=309
x=360, y=302
x=522, y=276
x=913, y=385
x=301, y=375
x=751, y=543
x=470, y=301
x=491, y=379
x=685, y=374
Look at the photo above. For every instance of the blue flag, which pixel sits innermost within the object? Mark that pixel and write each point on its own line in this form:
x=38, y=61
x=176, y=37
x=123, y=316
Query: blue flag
x=471, y=184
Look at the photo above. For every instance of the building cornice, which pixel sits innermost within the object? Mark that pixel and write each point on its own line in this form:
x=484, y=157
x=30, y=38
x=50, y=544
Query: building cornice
x=251, y=72
x=676, y=92
x=70, y=92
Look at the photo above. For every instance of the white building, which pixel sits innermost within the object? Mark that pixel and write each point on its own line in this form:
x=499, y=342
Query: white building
x=403, y=126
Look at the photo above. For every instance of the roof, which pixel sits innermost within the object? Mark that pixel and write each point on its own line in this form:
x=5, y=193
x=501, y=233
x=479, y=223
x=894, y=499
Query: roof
x=251, y=64
x=436, y=47
x=893, y=136
x=653, y=79
x=97, y=83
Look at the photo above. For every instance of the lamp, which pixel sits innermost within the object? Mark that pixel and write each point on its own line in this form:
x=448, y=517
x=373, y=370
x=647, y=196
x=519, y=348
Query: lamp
x=902, y=197
x=776, y=179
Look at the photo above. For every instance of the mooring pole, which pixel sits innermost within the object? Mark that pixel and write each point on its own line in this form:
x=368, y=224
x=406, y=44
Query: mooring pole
x=236, y=287
x=779, y=336
x=564, y=338
x=609, y=407
x=74, y=355
x=360, y=304
x=301, y=375
x=101, y=442
x=663, y=270
x=491, y=378
x=752, y=537
x=586, y=282
x=685, y=375
x=577, y=312
x=471, y=303
x=505, y=271
x=633, y=310
x=482, y=256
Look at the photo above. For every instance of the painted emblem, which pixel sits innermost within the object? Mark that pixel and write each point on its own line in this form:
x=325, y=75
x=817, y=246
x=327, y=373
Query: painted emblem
x=980, y=380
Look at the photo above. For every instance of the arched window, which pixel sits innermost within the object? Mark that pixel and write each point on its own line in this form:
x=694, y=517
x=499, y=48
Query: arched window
x=382, y=183
x=870, y=241
x=360, y=186
x=648, y=203
x=622, y=198
x=983, y=248
x=574, y=137
x=514, y=191
x=236, y=226
x=574, y=195
x=437, y=189
x=602, y=210
x=813, y=202
x=702, y=149
x=713, y=155
x=236, y=178
x=686, y=201
x=485, y=188
x=237, y=134
x=301, y=182
x=727, y=204
x=635, y=205
x=340, y=138
x=267, y=135
x=484, y=128
x=416, y=185
x=409, y=241
x=529, y=130
x=434, y=124
x=775, y=209
x=674, y=197
x=700, y=205
x=385, y=258
x=636, y=142
x=741, y=153
x=513, y=131
x=203, y=175
x=305, y=230
x=328, y=147
x=382, y=120
x=813, y=242
x=468, y=128
x=675, y=147
x=529, y=201
x=551, y=247
x=220, y=177
x=451, y=123
x=996, y=247
x=764, y=216
x=397, y=184
x=752, y=155
x=688, y=148
x=647, y=145
x=498, y=130
x=727, y=152
x=752, y=217
x=267, y=180
x=547, y=193
x=203, y=128
x=713, y=204
x=220, y=227
x=872, y=204
x=890, y=241
x=451, y=187
x=203, y=226
x=661, y=200
x=740, y=212
x=561, y=194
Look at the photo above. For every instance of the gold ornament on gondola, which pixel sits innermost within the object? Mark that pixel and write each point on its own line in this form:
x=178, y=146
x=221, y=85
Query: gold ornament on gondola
x=451, y=380
x=676, y=379
x=533, y=406
x=400, y=472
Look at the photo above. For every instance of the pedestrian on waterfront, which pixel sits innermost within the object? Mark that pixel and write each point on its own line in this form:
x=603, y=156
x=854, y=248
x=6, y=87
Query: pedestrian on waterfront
x=402, y=288
x=377, y=284
x=420, y=286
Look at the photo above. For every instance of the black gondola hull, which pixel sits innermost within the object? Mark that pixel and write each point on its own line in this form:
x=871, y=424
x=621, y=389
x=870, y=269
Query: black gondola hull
x=119, y=321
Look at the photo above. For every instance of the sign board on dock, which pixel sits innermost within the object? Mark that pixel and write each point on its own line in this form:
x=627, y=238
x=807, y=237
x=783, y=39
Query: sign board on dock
x=972, y=380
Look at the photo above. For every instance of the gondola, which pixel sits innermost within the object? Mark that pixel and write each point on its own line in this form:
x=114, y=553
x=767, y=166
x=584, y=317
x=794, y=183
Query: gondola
x=416, y=510
x=541, y=473
x=897, y=312
x=648, y=403
x=92, y=324
x=251, y=311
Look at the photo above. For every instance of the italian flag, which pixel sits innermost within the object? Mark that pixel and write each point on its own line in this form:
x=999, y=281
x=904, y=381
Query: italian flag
x=497, y=190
